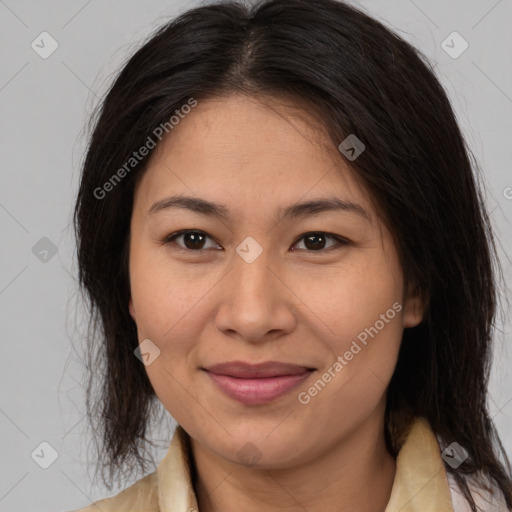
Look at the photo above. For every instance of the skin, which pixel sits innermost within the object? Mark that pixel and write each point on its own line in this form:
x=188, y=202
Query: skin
x=293, y=304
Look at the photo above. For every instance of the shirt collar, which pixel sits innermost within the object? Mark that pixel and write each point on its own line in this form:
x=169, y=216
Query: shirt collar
x=175, y=489
x=420, y=483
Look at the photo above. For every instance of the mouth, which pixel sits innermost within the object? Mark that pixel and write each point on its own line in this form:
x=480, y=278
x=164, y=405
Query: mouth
x=254, y=384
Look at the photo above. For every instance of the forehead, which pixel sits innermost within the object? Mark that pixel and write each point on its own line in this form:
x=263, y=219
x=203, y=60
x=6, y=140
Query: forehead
x=251, y=150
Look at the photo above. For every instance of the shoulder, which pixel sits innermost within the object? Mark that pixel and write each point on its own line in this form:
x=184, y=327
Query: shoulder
x=142, y=495
x=490, y=501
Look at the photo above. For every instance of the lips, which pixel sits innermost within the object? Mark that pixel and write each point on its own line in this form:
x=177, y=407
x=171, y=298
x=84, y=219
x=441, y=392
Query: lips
x=254, y=384
x=242, y=370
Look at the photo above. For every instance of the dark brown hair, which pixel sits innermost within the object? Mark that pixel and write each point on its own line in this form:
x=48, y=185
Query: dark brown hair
x=357, y=77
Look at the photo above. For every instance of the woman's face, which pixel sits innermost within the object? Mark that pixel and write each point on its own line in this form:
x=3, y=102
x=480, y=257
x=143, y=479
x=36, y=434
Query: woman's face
x=263, y=282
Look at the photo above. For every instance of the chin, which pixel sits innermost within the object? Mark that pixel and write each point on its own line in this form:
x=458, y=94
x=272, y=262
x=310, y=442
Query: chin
x=259, y=449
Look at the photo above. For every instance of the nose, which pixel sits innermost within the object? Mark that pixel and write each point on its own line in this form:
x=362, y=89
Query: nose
x=256, y=301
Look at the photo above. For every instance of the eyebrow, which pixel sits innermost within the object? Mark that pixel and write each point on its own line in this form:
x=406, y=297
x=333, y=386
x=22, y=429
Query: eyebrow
x=294, y=211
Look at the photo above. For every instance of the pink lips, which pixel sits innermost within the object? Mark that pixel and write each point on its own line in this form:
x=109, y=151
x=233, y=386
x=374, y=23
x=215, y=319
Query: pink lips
x=254, y=384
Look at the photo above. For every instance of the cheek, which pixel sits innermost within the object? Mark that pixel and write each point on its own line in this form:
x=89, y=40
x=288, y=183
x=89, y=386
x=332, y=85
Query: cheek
x=164, y=294
x=171, y=304
x=351, y=301
x=364, y=316
x=166, y=304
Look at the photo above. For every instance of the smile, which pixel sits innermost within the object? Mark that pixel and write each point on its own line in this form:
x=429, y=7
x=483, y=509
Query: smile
x=257, y=384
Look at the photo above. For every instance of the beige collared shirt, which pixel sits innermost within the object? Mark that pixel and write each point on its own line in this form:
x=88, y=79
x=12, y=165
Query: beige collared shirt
x=421, y=483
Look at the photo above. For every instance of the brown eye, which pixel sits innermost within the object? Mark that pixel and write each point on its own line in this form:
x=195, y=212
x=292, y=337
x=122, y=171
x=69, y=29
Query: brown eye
x=192, y=240
x=316, y=241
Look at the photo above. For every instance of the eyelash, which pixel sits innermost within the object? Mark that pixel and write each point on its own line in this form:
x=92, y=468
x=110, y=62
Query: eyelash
x=341, y=241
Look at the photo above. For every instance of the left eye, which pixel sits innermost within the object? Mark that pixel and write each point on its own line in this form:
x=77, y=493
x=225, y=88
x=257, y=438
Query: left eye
x=194, y=240
x=316, y=240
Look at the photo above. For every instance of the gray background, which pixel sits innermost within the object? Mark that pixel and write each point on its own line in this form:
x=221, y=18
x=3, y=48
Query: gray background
x=44, y=106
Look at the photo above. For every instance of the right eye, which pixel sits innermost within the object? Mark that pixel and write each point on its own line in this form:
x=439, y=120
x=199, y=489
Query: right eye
x=193, y=240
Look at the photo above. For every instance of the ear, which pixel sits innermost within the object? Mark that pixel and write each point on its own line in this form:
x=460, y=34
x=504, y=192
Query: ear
x=132, y=310
x=414, y=307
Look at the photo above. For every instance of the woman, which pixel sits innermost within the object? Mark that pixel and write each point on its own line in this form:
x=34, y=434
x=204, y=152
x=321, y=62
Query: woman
x=281, y=234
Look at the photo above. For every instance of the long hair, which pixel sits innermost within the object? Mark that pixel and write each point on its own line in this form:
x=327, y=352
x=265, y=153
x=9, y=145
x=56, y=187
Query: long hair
x=357, y=77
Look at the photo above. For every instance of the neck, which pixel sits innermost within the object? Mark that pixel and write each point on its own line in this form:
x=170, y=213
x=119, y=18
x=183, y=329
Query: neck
x=339, y=479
